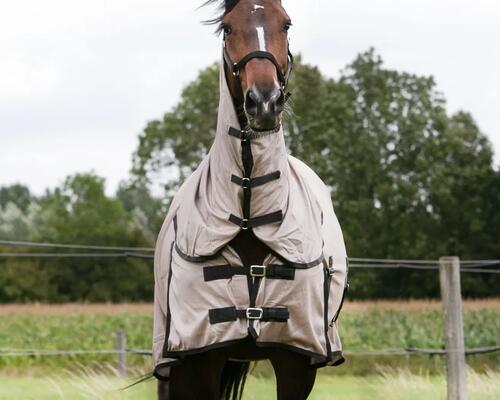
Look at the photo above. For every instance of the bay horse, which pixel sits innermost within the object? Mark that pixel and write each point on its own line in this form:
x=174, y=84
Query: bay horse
x=256, y=66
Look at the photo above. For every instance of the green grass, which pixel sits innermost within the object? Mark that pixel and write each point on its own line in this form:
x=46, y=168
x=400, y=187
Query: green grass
x=386, y=386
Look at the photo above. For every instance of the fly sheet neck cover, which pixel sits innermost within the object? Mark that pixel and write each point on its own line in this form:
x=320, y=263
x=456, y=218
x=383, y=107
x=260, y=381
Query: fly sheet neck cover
x=205, y=295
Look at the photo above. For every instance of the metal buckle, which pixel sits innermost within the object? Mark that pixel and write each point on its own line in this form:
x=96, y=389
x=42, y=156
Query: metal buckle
x=254, y=313
x=244, y=136
x=331, y=270
x=236, y=71
x=244, y=223
x=258, y=271
x=245, y=183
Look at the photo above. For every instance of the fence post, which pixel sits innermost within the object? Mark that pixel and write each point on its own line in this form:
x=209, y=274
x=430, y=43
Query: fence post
x=121, y=345
x=449, y=276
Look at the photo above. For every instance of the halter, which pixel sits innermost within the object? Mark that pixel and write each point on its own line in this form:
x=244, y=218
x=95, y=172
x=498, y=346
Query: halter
x=236, y=67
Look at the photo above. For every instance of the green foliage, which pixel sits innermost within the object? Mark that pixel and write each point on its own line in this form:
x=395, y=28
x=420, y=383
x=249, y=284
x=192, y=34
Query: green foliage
x=17, y=194
x=79, y=212
x=407, y=180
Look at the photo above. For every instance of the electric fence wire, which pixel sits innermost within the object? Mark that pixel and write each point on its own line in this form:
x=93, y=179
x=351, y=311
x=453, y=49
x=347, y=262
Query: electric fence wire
x=141, y=352
x=474, y=266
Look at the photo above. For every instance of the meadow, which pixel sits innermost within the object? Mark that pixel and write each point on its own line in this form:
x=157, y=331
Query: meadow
x=388, y=385
x=365, y=327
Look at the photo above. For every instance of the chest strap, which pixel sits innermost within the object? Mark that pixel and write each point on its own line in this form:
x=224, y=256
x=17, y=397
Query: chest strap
x=249, y=183
x=266, y=314
x=249, y=223
x=272, y=271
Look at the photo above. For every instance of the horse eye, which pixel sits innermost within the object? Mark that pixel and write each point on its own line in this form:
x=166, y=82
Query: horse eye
x=287, y=25
x=227, y=30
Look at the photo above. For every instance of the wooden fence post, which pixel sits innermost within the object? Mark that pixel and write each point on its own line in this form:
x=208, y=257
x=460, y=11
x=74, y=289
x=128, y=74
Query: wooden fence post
x=449, y=276
x=121, y=345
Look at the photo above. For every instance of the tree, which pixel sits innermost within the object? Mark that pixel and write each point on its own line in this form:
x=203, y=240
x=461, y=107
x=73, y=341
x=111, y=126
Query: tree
x=407, y=180
x=17, y=194
x=147, y=211
x=80, y=212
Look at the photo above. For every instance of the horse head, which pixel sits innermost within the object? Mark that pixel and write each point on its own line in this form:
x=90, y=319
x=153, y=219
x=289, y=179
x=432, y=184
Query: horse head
x=257, y=59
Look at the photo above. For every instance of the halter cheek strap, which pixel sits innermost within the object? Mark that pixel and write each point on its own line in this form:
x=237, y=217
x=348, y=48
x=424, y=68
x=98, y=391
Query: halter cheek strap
x=236, y=67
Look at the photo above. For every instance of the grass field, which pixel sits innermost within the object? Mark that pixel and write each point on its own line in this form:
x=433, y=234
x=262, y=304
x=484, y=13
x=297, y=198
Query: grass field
x=386, y=386
x=363, y=326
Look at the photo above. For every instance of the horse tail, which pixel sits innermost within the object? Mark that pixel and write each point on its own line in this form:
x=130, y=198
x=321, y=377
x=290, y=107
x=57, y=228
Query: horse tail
x=234, y=375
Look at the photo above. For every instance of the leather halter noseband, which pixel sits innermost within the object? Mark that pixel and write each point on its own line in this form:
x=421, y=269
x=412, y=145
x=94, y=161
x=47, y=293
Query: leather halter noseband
x=236, y=67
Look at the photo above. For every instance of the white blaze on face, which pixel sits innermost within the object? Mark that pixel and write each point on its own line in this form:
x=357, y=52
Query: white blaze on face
x=262, y=38
x=260, y=29
x=257, y=7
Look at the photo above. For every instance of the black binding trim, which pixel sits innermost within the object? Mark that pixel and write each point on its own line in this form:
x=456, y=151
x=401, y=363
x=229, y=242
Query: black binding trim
x=344, y=293
x=271, y=271
x=195, y=259
x=297, y=265
x=168, y=316
x=266, y=314
x=326, y=296
x=250, y=183
x=249, y=223
x=317, y=360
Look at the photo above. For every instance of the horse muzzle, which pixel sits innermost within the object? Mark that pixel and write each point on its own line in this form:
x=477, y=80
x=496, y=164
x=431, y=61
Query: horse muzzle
x=264, y=106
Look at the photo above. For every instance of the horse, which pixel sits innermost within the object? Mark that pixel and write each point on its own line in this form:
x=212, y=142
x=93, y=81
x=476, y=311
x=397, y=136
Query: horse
x=256, y=65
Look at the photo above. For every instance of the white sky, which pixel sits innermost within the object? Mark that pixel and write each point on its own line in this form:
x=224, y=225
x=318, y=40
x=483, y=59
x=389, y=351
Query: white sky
x=79, y=79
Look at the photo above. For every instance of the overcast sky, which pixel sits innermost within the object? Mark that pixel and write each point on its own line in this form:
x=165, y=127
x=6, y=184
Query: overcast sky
x=79, y=79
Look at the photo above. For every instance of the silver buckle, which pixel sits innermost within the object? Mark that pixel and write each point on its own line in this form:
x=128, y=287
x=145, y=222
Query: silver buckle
x=258, y=271
x=245, y=183
x=236, y=71
x=244, y=223
x=254, y=313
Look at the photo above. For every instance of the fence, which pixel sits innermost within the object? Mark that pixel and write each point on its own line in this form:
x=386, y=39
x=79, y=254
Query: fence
x=449, y=269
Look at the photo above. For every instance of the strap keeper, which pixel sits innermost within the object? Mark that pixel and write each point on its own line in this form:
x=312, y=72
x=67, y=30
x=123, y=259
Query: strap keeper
x=253, y=313
x=258, y=271
x=331, y=269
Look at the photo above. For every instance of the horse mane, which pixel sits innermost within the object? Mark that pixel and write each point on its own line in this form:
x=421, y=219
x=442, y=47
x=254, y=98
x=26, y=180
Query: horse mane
x=224, y=6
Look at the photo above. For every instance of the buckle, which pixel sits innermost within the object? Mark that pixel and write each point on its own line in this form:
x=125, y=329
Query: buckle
x=236, y=71
x=258, y=271
x=254, y=313
x=245, y=183
x=331, y=270
x=244, y=224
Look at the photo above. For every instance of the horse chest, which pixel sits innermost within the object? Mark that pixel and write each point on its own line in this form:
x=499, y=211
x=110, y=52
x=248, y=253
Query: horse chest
x=250, y=249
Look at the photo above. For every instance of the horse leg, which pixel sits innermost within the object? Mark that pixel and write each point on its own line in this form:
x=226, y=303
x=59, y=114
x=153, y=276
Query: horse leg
x=294, y=375
x=163, y=390
x=198, y=377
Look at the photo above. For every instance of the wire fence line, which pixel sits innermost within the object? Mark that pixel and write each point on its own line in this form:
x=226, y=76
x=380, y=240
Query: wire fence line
x=473, y=266
x=18, y=243
x=75, y=255
x=141, y=352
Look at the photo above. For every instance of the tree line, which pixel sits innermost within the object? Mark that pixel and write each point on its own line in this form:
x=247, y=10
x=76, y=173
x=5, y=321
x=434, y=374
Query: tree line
x=407, y=180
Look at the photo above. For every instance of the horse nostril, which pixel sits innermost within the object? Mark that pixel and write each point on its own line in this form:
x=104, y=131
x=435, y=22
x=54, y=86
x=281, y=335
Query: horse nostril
x=251, y=102
x=279, y=101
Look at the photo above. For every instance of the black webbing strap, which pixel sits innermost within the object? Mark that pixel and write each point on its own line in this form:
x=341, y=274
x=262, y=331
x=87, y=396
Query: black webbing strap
x=237, y=133
x=248, y=223
x=249, y=183
x=266, y=314
x=271, y=271
x=246, y=135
